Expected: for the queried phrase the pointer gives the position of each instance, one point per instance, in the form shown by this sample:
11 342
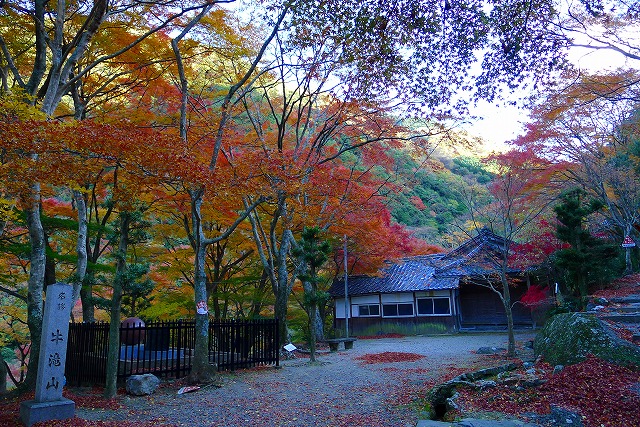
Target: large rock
141 385
569 337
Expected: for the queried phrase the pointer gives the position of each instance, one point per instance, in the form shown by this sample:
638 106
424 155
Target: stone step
630 299
631 308
623 317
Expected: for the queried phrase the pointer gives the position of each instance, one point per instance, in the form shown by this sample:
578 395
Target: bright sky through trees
499 123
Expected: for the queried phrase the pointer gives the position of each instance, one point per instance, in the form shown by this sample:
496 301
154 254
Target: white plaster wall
365 299
438 293
398 297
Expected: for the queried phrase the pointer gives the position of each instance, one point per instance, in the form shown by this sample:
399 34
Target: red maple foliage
389 357
89 398
622 287
534 295
418 203
537 248
604 394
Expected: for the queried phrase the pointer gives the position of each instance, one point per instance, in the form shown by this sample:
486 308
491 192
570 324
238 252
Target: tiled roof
407 275
484 242
475 257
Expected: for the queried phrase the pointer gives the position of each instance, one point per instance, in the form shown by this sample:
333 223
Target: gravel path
339 390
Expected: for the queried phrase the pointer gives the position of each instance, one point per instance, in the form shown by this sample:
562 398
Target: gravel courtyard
339 390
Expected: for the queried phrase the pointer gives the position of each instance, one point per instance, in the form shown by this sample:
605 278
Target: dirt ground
374 384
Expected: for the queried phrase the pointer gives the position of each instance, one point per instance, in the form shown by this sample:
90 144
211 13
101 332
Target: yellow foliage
7 211
14 107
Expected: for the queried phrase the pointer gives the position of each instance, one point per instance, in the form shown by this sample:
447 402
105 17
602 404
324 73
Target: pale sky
501 123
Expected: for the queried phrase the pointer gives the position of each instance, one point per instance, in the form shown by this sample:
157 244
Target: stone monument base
32 412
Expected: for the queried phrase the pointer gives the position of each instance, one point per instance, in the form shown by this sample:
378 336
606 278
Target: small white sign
201 307
290 347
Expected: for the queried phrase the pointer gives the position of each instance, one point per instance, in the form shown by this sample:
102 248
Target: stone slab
472 422
32 412
431 423
53 344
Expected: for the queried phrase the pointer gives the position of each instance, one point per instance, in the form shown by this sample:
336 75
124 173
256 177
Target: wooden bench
334 342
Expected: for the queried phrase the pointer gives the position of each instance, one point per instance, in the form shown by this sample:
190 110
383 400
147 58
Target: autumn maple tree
521 191
44 59
593 123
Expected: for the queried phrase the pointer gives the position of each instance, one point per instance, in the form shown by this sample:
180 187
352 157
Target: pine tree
588 260
313 252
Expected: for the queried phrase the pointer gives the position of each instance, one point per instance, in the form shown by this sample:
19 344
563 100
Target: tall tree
201 370
313 252
593 122
47 71
588 260
521 190
113 356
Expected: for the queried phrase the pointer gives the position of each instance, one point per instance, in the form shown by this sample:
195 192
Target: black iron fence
166 348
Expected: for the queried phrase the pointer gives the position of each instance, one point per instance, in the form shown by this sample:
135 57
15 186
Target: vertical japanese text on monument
53 348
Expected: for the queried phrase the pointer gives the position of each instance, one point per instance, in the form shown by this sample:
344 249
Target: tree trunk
88 309
81 245
3 376
282 287
316 324
506 301
258 295
318 327
201 370
50 265
111 386
313 315
281 306
35 284
274 261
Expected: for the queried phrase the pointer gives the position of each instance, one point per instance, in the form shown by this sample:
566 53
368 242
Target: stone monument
49 403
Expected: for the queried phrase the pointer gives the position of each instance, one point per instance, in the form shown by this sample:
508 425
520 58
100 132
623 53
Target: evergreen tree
313 252
588 260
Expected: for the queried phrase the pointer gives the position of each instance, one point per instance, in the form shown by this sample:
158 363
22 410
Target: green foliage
471 167
298 325
428 199
14 336
136 289
588 260
314 252
316 299
171 305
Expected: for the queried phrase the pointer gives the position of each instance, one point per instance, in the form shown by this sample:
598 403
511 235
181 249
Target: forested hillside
428 198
